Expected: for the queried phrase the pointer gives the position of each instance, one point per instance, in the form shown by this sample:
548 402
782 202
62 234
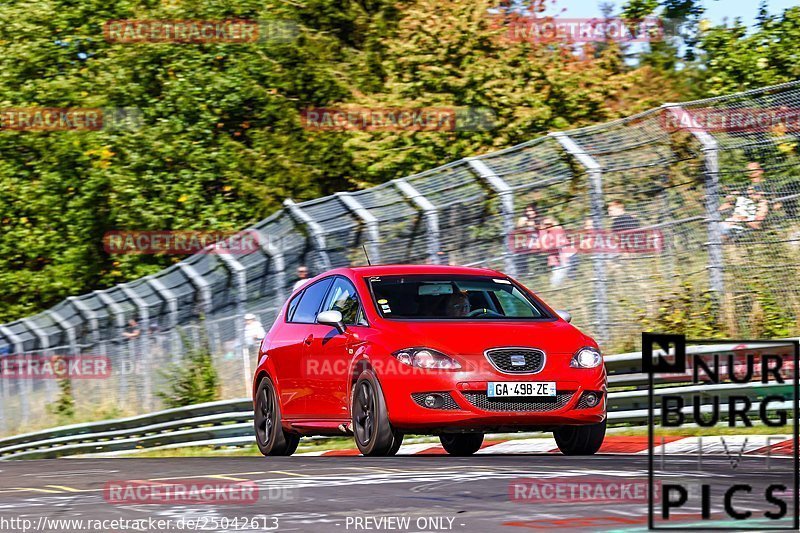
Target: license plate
502 389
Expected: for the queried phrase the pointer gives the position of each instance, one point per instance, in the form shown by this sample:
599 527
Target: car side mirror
332 318
565 315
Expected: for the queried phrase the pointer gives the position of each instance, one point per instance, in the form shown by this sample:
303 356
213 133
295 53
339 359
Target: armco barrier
230 422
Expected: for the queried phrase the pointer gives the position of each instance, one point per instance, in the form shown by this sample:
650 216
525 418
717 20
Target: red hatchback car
383 351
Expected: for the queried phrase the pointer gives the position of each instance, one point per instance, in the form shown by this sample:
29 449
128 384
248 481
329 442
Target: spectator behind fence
253 333
750 208
253 330
620 219
302 277
529 222
562 258
132 330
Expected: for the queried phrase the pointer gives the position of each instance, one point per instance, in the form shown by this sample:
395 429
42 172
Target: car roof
394 270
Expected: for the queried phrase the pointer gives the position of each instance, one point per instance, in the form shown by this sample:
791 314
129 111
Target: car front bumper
471 409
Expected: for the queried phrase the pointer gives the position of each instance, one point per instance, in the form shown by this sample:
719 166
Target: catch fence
715 182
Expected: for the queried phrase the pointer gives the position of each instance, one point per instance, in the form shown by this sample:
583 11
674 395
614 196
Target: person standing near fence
529 223
253 332
302 277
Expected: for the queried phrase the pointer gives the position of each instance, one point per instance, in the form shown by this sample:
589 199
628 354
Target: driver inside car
457 305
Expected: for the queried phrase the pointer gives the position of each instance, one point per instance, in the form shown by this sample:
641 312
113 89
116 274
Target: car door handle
308 340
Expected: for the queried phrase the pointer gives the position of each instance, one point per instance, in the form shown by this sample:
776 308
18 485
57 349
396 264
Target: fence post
88 315
201 286
144 337
595 173
73 341
239 274
44 344
317 233
118 364
15 341
506 194
711 176
430 213
275 255
369 220
171 300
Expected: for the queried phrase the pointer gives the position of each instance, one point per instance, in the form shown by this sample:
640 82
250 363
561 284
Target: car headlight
426 358
586 358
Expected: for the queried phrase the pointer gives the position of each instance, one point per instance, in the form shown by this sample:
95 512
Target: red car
383 351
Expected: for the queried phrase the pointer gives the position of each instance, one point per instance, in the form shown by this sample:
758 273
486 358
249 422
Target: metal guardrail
230 422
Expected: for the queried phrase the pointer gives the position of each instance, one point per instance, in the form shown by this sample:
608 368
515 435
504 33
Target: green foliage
734 59
192 380
221 143
64 406
683 309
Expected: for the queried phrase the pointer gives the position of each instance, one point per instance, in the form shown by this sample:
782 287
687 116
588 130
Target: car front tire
372 431
580 440
461 444
271 439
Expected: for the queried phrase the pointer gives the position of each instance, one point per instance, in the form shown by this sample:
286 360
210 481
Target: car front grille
516 360
537 405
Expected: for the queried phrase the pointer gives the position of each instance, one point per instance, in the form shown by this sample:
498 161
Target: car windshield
451 297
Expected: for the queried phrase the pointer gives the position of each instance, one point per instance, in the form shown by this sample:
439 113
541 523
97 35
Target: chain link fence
717 180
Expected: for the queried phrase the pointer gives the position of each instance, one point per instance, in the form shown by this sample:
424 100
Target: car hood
473 337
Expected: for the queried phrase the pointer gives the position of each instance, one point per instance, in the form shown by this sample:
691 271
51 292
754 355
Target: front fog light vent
435 400
589 399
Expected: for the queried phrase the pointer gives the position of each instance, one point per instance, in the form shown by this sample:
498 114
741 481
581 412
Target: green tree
194 379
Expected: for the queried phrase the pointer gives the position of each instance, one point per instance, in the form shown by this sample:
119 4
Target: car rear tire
461 444
271 439
580 440
372 431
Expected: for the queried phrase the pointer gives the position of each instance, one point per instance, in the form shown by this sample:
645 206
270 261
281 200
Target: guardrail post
506 195
430 213
595 173
711 152
171 300
144 342
15 341
239 273
369 220
317 233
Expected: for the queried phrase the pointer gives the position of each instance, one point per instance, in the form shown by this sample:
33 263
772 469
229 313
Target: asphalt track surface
320 494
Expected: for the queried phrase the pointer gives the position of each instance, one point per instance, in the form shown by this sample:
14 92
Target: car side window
290 309
310 302
343 298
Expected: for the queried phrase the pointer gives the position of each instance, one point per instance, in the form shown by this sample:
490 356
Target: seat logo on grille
517 360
